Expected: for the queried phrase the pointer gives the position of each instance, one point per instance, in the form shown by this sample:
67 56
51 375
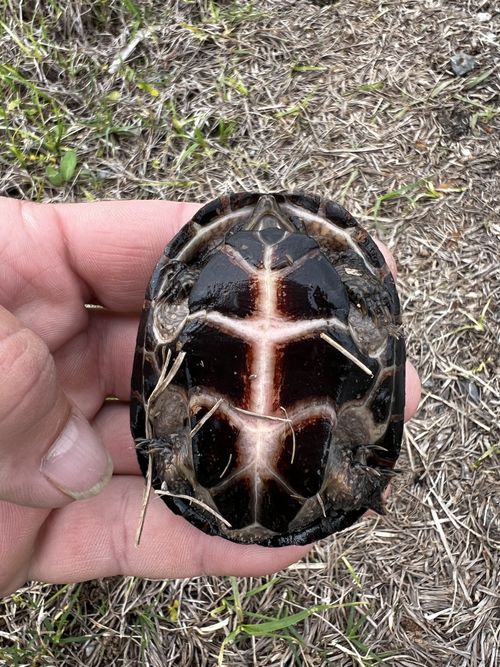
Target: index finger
113 246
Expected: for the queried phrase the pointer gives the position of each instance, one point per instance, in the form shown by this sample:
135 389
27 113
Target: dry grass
352 99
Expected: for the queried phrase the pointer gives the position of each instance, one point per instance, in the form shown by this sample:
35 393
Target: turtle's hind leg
157 458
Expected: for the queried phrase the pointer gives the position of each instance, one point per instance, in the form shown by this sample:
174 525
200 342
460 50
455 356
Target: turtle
268 381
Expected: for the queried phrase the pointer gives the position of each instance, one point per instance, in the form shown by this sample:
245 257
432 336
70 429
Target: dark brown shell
268 381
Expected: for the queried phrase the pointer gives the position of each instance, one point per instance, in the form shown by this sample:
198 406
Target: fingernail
77 463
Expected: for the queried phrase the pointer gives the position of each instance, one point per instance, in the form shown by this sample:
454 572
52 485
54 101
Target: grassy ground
355 100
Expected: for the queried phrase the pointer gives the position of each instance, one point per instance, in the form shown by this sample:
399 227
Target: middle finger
97 362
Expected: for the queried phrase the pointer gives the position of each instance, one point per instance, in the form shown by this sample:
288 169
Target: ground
351 99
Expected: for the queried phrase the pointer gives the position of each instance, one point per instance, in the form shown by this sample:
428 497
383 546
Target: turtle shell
268 382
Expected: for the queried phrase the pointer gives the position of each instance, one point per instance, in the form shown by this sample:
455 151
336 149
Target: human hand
59 361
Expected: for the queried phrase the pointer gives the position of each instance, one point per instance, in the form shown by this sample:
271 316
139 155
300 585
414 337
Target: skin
57 357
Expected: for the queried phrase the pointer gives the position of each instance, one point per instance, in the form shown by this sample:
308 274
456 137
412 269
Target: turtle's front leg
367 293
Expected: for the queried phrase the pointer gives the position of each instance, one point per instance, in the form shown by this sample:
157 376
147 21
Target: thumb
49 453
